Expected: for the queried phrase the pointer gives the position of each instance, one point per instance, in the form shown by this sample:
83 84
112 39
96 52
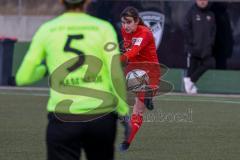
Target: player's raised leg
135 123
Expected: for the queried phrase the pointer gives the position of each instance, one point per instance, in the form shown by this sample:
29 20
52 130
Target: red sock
136 122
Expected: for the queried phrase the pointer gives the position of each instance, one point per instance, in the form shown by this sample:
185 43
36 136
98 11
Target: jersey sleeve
138 43
111 55
32 69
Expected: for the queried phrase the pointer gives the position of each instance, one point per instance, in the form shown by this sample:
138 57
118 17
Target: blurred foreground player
79 50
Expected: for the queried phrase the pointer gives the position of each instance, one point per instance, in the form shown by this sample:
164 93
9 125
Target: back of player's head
132 12
74 4
73 1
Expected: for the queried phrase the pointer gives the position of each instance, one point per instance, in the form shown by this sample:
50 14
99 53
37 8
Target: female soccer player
79 51
140 53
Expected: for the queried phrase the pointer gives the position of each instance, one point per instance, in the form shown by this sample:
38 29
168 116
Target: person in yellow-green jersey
87 88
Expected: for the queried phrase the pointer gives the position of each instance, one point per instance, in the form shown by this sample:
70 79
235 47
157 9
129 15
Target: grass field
203 127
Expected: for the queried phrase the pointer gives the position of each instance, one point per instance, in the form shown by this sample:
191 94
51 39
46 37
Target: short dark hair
132 12
73 4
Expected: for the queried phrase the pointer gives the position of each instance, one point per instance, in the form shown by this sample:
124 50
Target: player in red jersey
139 53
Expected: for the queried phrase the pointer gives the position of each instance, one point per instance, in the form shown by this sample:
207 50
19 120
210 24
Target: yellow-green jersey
81 55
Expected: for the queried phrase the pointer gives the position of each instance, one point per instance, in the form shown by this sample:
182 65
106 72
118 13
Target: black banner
166 20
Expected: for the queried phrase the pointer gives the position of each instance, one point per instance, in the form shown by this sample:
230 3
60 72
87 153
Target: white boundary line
205 95
24 88
161 99
199 100
167 94
25 94
164 97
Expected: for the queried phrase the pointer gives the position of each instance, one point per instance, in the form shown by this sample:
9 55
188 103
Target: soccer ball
137 79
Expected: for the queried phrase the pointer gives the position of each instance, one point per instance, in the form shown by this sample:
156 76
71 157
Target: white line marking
8 88
199 100
24 88
24 94
204 95
159 99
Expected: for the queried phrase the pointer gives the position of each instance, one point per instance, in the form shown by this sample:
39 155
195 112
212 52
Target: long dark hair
132 12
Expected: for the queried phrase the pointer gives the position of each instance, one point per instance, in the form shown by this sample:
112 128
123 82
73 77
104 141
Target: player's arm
32 69
117 78
140 42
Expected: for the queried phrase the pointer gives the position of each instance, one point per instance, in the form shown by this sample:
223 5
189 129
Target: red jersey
141 53
140 45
